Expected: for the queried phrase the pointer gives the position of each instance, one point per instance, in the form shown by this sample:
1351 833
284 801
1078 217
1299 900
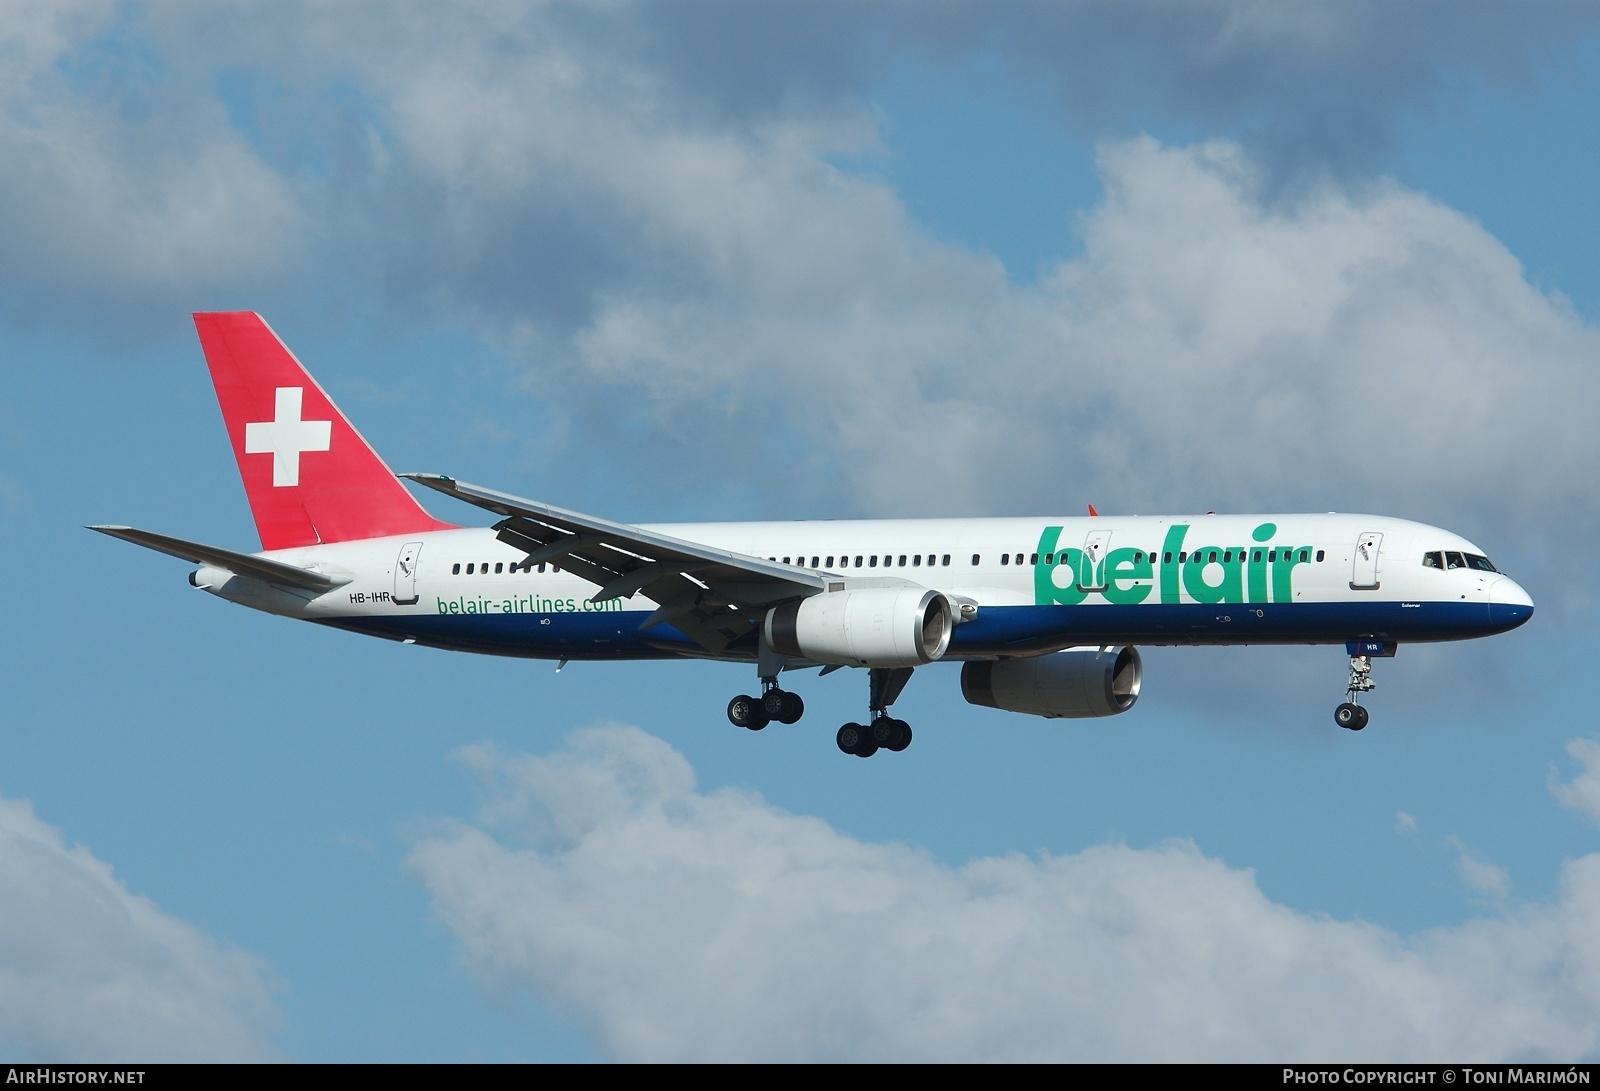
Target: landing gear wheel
850 737
1350 716
746 711
902 737
780 705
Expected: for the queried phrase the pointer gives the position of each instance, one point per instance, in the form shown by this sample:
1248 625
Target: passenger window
1183 556
1005 558
1033 558
858 560
1166 558
814 563
872 561
471 569
541 566
975 560
455 569
902 560
1272 554
916 560
1213 557
830 560
1227 556
1256 559
1304 552
946 561
499 566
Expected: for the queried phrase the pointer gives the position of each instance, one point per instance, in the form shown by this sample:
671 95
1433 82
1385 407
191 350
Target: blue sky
707 261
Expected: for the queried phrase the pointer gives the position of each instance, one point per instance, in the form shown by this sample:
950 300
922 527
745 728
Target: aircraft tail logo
307 472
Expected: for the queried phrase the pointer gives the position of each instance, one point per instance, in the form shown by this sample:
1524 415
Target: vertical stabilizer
309 475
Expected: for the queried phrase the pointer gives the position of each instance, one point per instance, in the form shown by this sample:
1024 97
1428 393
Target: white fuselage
1037 584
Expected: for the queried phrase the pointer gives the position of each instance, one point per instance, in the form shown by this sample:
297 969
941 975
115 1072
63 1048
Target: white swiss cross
286 437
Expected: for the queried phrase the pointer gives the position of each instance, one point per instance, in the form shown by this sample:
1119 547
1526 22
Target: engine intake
870 627
1076 683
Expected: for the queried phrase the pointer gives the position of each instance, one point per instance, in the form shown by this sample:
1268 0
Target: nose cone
1509 605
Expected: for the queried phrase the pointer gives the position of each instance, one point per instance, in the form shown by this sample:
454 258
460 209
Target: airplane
1045 615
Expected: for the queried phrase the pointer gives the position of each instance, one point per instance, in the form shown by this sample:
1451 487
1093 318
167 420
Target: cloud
1479 874
698 281
690 925
123 192
91 971
1312 83
1582 792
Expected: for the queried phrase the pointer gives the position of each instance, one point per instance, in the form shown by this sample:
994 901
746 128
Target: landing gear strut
883 732
1350 714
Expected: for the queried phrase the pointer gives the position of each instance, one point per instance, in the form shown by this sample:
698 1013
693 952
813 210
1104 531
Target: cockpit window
1433 560
1454 560
1481 564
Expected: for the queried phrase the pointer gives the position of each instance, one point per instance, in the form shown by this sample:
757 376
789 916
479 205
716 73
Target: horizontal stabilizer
240 564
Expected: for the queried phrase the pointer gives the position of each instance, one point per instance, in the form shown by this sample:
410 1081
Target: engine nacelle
1075 683
870 627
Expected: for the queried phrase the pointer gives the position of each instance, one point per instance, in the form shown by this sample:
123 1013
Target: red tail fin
309 475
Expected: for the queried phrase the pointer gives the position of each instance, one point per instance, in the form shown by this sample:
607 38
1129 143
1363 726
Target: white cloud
122 190
687 925
693 281
1582 792
89 971
1404 823
1478 873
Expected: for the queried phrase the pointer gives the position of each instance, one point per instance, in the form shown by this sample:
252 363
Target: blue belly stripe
997 630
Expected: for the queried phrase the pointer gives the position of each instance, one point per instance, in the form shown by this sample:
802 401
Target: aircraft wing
240 564
713 595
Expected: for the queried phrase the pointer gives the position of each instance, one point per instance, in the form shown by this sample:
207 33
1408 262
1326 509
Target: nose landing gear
1350 715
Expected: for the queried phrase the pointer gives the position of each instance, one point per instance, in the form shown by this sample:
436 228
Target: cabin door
1092 573
1364 572
405 574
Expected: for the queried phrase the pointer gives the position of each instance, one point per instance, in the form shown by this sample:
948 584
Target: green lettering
1282 584
1128 573
1229 589
1066 568
1044 588
1169 562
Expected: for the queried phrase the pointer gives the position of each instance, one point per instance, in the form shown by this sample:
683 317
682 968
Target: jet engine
869 627
1078 682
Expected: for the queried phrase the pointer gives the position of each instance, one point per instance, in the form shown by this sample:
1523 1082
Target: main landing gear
1351 715
773 704
884 732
